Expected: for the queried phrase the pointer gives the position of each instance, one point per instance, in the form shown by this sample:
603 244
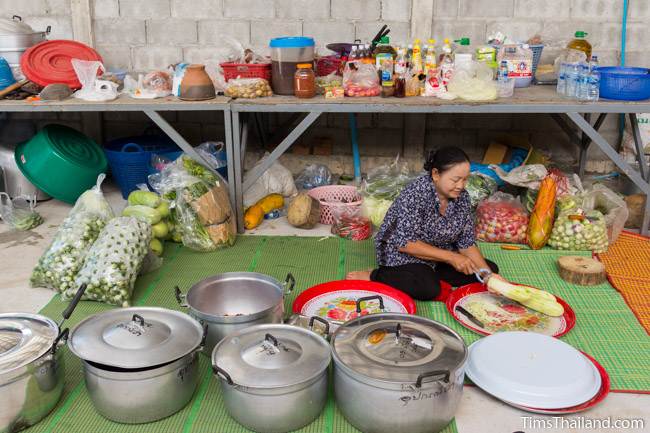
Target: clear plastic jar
304 81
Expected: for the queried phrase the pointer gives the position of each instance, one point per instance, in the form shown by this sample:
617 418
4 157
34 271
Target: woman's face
451 182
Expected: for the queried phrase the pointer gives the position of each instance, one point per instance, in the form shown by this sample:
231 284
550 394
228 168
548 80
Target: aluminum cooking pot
232 301
273 377
140 364
31 366
16 37
397 372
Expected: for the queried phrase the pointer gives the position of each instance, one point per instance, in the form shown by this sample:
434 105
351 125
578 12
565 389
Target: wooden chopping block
583 271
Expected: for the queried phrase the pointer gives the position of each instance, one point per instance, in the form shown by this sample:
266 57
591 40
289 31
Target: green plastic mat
605 327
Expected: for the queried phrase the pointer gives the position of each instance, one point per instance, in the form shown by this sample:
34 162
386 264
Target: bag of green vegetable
578 230
201 215
479 187
611 205
114 261
19 212
59 264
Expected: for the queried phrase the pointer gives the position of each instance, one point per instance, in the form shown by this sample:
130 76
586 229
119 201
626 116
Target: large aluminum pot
397 372
16 37
140 363
273 377
232 301
31 366
133 396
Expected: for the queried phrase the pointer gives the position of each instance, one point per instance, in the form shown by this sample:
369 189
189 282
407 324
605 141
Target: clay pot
196 84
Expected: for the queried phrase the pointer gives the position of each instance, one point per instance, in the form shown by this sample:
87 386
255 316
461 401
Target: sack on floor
276 180
19 213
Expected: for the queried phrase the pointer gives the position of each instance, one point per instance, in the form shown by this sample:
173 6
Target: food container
140 364
15 183
396 372
286 54
232 301
31 366
305 81
16 37
273 377
315 324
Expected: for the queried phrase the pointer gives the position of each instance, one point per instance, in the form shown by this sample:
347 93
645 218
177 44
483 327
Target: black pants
421 281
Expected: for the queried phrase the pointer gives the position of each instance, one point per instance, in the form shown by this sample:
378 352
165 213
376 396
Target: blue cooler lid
292 42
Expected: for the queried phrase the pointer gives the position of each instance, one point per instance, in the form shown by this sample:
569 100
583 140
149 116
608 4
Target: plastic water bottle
502 76
594 80
561 79
572 78
583 82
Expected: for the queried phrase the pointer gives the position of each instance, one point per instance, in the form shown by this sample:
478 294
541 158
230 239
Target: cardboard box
500 149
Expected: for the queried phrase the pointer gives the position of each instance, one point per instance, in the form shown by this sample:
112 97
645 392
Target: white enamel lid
534 370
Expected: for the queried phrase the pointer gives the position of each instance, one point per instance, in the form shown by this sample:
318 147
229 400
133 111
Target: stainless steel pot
134 396
273 377
14 42
232 301
140 364
12 180
396 372
31 366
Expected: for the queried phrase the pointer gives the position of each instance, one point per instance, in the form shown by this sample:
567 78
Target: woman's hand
462 264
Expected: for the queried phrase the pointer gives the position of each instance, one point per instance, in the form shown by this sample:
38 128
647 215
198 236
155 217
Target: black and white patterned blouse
415 216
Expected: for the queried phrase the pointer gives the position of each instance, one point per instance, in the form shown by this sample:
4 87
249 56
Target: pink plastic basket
335 195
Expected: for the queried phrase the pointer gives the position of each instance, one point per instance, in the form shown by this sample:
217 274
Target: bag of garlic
579 230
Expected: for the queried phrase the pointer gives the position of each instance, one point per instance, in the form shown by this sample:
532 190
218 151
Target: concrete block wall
141 35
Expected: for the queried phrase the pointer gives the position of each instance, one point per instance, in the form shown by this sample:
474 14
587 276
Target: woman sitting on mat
428 232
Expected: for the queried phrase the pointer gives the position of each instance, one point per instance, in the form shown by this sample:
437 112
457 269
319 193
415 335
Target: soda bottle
401 65
594 80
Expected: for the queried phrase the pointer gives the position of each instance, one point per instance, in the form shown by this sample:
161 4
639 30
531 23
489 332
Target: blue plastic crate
130 158
623 83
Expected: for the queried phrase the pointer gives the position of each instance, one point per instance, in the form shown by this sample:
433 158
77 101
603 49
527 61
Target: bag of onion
501 218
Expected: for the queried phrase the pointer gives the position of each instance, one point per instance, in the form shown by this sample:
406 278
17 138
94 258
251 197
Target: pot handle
289 281
62 336
180 297
73 304
205 334
218 371
369 298
48 30
17 18
444 373
321 320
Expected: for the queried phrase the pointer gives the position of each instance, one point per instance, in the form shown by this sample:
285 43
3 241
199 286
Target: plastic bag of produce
479 187
501 218
248 88
314 175
59 264
543 215
349 223
360 79
201 215
19 212
611 205
113 262
528 176
578 230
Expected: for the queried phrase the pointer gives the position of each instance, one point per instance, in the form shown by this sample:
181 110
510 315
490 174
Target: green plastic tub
61 161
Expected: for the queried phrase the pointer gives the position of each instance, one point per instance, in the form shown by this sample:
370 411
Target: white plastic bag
93 89
157 84
277 179
610 204
19 212
527 176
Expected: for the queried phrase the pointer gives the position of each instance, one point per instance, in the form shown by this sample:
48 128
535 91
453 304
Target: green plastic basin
61 161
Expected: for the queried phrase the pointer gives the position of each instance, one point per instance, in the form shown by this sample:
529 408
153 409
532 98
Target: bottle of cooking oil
417 57
581 44
430 62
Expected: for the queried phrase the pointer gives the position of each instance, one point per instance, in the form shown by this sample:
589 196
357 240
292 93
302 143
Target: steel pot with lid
31 366
140 363
397 372
273 377
16 36
232 301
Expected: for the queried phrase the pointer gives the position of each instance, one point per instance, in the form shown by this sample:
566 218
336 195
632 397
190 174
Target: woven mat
605 327
627 263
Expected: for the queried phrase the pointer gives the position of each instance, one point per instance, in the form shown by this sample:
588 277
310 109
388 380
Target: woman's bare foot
358 275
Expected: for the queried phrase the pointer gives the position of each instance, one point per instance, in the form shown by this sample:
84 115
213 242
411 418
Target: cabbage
376 208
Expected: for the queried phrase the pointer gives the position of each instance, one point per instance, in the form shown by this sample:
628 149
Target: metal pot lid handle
181 298
271 339
48 30
444 373
370 298
218 371
289 281
17 18
205 334
139 319
313 319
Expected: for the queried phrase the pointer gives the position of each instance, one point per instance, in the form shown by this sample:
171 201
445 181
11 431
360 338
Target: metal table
535 99
150 107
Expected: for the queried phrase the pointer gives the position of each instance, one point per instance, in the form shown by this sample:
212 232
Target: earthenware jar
196 84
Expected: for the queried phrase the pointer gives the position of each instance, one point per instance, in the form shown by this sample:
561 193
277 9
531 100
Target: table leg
237 171
640 155
227 121
620 163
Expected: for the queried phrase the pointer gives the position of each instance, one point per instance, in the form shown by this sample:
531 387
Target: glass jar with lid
304 81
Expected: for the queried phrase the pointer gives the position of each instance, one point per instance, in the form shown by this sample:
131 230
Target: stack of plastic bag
58 266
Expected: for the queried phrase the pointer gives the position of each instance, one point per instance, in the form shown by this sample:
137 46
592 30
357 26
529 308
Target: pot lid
272 356
49 62
397 347
137 337
23 338
14 26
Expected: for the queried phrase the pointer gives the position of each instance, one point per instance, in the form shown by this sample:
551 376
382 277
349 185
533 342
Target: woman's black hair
445 158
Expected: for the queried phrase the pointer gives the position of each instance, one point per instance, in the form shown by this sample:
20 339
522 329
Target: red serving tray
461 292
